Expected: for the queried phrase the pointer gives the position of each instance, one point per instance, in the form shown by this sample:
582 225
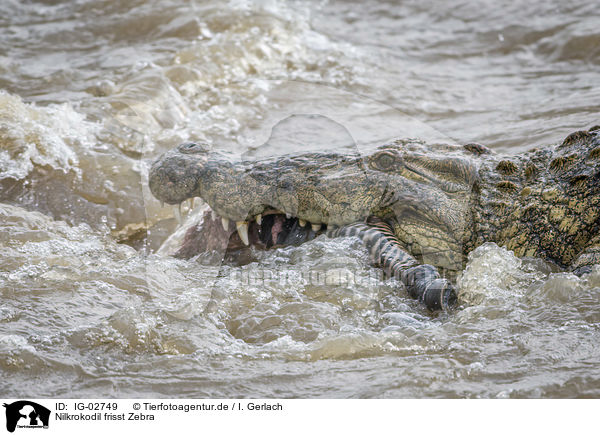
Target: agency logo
26 414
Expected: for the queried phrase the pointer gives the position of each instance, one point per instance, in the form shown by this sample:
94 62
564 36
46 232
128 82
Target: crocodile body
420 208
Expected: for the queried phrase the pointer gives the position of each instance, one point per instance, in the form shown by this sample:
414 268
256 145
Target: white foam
44 136
493 273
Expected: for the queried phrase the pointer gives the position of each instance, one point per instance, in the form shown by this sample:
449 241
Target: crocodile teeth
177 213
287 215
302 222
259 219
315 227
225 223
242 229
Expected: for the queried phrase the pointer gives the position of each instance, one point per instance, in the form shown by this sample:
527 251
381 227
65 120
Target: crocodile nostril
191 147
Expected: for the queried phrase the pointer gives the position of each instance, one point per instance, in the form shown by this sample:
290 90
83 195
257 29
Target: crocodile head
423 191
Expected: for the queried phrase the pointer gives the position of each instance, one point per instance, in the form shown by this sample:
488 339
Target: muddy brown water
92 91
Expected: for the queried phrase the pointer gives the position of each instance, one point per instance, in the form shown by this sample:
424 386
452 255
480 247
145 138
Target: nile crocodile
419 208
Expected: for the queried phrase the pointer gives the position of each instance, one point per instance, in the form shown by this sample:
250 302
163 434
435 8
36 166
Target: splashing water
107 86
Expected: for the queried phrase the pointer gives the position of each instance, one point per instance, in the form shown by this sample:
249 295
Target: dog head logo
26 414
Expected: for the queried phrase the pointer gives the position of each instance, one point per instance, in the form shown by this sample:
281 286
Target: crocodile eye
386 161
191 148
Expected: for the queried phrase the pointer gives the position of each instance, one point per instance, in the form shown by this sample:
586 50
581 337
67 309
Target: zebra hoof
439 295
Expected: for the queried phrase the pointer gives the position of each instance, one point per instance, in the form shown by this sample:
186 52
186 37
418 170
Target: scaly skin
440 201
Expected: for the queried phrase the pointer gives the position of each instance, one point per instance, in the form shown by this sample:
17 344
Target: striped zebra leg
422 281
